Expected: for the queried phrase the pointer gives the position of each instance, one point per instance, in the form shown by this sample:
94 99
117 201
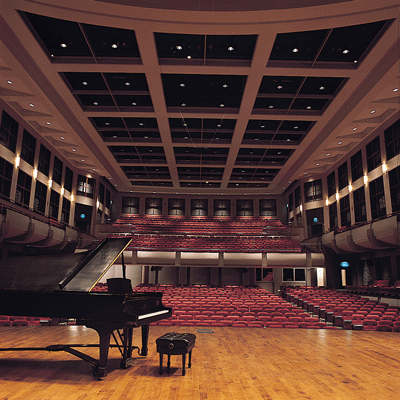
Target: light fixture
222 105
346 51
279 87
350 187
183 104
396 90
296 127
327 202
96 103
114 45
327 154
134 103
17 161
271 106
62 138
308 107
339 143
10 83
64 45
31 105
301 207
231 48
188 57
141 123
72 197
84 83
35 172
182 85
354 129
373 112
50 183
74 150
322 88
384 168
337 196
127 84
365 179
295 50
48 123
62 191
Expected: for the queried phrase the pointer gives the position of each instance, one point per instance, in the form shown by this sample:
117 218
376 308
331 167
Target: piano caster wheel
99 372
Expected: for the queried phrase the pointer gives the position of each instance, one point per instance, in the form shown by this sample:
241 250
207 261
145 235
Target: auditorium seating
208 234
345 310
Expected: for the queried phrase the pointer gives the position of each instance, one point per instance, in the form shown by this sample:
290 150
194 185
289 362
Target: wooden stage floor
228 363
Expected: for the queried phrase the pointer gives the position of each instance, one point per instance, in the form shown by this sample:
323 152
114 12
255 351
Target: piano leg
145 340
127 348
100 370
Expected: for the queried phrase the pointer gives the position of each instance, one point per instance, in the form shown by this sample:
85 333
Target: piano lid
72 272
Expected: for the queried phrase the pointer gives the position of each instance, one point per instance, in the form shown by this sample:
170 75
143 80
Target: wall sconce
301 207
97 204
62 191
365 179
327 202
50 183
350 187
17 161
72 197
35 173
384 168
337 195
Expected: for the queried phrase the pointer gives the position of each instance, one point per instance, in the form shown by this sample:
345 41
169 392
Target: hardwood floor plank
227 363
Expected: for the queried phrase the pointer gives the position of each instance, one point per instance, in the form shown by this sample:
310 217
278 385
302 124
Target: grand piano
60 286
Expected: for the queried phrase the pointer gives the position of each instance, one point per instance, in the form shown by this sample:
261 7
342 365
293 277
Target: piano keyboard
153 314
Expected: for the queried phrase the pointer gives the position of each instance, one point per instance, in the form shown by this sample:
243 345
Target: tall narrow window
8 132
394 179
101 193
66 210
54 204
57 170
343 177
392 140
24 185
331 181
373 154
28 148
68 178
377 196
40 197
297 197
360 209
333 218
356 166
44 160
290 202
6 172
345 215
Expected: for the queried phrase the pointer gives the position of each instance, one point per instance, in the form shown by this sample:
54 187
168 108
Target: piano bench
175 344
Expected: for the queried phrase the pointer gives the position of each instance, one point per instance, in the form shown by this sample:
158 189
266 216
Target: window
6 173
294 274
69 175
297 197
356 166
130 205
331 181
313 190
360 209
345 215
176 206
333 219
244 208
373 154
28 148
377 196
8 132
199 207
268 207
264 274
100 196
343 177
392 140
66 210
290 202
39 203
222 207
153 206
57 170
24 185
44 160
85 186
54 204
394 179
108 198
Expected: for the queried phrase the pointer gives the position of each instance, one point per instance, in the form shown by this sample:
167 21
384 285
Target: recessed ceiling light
373 112
328 154
188 57
10 83
222 105
115 136
186 137
230 48
62 137
84 83
179 47
396 90
73 149
296 127
322 88
279 87
185 124
48 123
219 125
354 129
340 142
355 61
114 45
96 103
346 51
141 123
225 85
107 123
288 140
83 160
31 105
308 107
317 164
270 106
134 103
256 139
127 84
295 50
146 137
182 85
183 104
305 173
262 126
63 45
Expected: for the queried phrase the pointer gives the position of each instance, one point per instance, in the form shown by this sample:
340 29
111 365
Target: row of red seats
7 320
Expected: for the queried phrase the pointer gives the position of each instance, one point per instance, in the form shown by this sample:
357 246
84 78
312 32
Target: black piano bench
175 344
